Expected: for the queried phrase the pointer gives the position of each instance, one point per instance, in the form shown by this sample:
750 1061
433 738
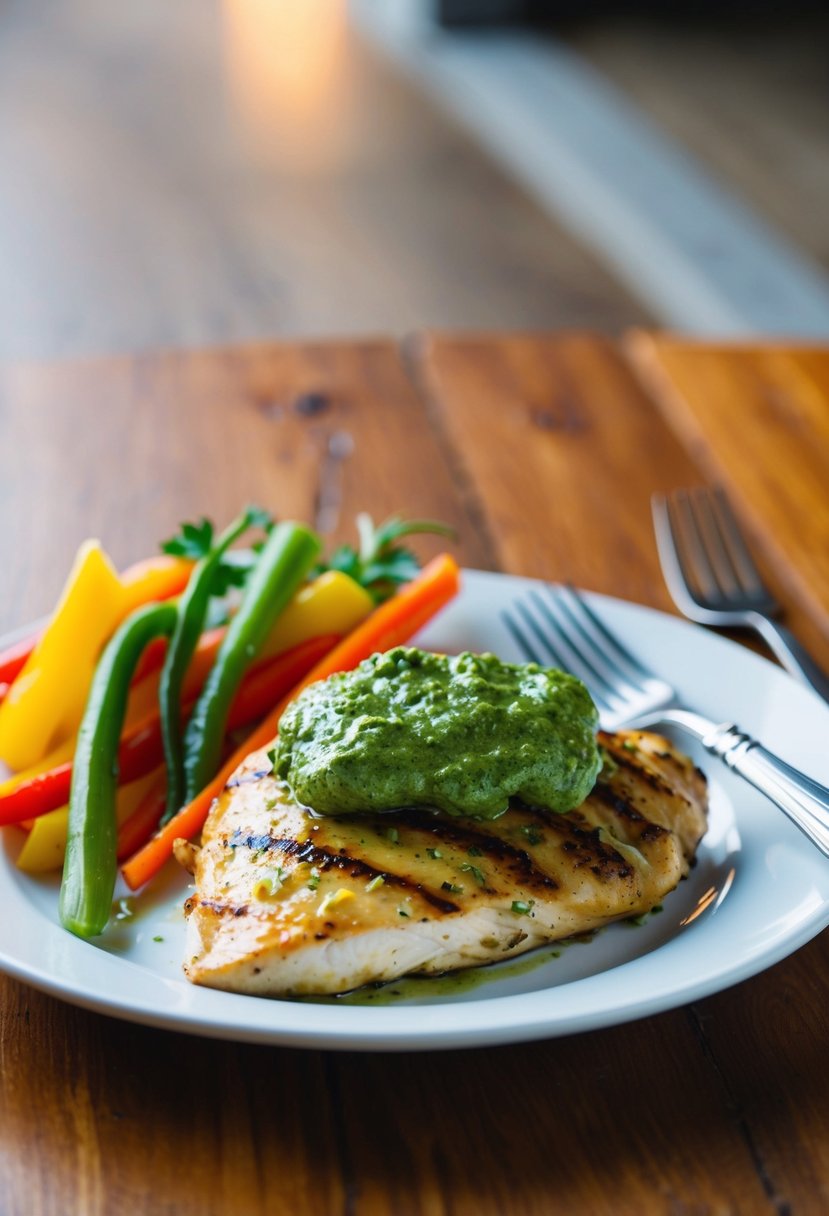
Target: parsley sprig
195 540
379 563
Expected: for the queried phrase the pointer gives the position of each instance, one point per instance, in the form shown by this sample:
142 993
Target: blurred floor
192 173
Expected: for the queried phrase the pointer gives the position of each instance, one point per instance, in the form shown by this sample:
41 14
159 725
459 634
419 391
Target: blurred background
183 173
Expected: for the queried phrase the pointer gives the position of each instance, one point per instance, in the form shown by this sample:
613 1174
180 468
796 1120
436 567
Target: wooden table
543 452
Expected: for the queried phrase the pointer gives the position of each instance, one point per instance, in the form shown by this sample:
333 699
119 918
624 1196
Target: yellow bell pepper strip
154 578
51 689
90 868
45 846
332 603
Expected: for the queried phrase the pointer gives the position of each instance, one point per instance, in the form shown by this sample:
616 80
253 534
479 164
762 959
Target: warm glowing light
711 896
284 60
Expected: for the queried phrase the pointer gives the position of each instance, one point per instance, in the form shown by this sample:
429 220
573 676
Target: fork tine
548 645
742 562
702 512
672 555
573 656
612 674
700 544
686 540
523 638
614 660
558 623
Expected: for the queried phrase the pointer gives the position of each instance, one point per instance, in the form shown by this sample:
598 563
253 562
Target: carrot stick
392 624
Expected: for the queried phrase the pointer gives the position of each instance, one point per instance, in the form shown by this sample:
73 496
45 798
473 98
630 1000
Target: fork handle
785 646
806 802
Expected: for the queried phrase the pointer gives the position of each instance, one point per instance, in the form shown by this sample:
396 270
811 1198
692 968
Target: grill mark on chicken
587 850
625 809
465 836
326 859
627 760
222 909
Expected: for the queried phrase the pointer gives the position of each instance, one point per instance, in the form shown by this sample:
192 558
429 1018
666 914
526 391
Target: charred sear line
326 860
632 763
624 808
620 805
464 835
220 909
653 832
584 847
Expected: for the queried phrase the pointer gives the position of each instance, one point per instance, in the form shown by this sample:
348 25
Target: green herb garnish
196 540
379 563
532 833
522 907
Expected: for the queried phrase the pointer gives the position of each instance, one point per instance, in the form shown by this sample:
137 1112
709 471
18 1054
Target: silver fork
713 579
556 625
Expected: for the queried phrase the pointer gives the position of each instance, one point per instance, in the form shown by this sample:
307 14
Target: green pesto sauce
460 733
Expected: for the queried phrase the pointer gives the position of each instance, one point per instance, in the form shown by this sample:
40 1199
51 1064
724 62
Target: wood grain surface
543 452
757 422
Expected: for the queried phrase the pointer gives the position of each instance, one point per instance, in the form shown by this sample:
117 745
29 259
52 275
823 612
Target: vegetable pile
121 719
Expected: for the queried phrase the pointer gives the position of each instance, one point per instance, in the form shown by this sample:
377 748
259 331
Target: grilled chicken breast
287 902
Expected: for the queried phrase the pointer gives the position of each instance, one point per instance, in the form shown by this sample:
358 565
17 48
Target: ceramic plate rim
85 975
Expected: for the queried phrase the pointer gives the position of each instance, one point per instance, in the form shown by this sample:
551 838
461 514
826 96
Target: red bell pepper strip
13 658
141 824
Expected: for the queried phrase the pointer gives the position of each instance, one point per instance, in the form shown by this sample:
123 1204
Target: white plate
758 892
